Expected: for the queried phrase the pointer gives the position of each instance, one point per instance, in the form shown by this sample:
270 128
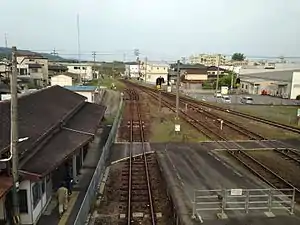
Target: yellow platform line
71 204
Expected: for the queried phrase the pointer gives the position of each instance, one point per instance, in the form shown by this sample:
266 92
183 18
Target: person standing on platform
62 195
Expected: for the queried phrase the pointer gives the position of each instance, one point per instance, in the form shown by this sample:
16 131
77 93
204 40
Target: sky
160 29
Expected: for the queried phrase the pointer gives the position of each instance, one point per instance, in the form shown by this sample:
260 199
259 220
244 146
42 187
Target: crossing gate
244 200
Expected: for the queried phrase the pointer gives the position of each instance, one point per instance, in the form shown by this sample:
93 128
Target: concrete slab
120 151
222 216
137 215
269 214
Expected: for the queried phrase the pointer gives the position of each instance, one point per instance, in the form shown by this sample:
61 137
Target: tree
238 56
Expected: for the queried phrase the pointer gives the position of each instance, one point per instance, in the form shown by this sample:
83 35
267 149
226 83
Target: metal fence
244 200
99 172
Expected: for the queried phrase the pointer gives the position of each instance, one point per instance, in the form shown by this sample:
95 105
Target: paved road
257 99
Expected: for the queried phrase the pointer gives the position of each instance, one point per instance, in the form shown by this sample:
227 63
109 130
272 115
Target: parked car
226 99
247 100
218 95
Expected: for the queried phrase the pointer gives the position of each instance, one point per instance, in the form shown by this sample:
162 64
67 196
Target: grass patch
282 114
107 82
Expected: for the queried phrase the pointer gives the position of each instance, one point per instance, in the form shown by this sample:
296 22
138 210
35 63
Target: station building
56 127
283 84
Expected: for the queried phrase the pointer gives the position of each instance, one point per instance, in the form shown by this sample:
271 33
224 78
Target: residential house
89 92
56 69
132 70
33 69
208 59
213 71
151 71
61 80
85 70
56 128
5 68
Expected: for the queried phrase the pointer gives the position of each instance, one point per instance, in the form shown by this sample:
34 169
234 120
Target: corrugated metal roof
81 88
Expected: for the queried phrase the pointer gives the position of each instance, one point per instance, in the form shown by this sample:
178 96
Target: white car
218 95
226 99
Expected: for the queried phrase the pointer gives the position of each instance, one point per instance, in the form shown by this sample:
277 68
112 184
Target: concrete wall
199 77
295 88
61 80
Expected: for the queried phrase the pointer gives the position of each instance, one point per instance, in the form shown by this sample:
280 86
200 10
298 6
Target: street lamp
11 154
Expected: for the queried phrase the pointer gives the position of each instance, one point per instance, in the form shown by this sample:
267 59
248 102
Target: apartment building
207 59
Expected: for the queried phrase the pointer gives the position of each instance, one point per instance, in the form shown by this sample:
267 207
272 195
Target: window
84 68
36 194
34 70
23 201
246 86
242 85
157 68
76 68
23 71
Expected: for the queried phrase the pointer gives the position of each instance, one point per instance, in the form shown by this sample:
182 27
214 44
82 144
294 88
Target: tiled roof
66 141
87 118
37 113
61 146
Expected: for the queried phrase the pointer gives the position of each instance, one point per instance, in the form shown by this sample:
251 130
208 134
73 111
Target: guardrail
244 200
91 192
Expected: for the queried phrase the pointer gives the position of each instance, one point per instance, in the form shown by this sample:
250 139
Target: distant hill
6 52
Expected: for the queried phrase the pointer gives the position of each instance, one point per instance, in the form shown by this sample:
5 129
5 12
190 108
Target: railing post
270 200
293 202
224 200
247 201
194 206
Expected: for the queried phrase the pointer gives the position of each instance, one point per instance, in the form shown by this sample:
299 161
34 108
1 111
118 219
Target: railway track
140 208
252 164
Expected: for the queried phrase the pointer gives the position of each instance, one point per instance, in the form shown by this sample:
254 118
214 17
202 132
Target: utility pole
14 136
94 63
78 46
218 72
54 52
146 62
6 46
177 89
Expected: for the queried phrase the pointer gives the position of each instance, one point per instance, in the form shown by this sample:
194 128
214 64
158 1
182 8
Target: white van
247 100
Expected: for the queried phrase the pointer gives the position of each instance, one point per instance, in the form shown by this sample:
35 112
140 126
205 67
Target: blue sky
161 29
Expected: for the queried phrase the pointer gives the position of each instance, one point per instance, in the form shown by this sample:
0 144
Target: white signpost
169 89
236 192
177 127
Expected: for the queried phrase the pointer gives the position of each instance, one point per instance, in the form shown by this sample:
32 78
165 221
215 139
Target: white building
84 69
33 67
151 71
283 84
132 71
61 80
87 91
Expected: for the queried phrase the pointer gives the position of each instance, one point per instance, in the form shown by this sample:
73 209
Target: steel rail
142 133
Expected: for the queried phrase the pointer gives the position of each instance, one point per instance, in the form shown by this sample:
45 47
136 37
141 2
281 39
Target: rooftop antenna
78 45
